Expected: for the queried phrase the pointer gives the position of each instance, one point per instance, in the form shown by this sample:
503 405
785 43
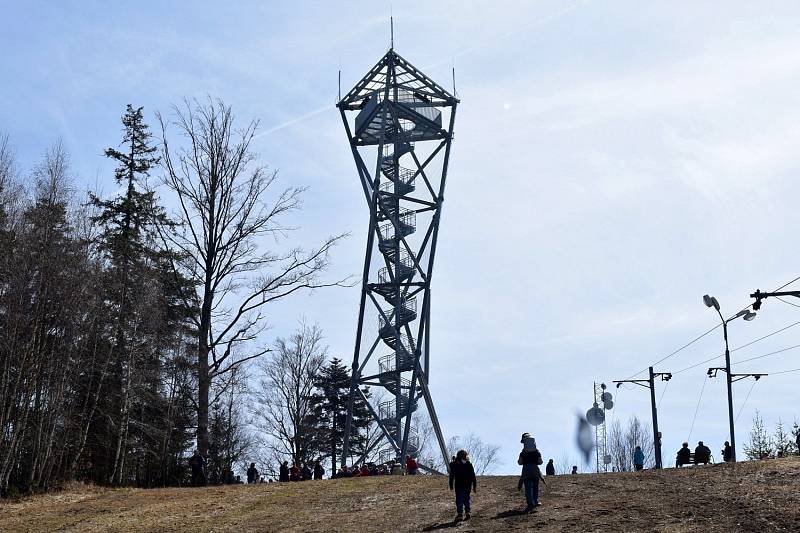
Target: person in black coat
284 472
198 465
306 473
530 458
727 452
319 471
463 481
252 474
702 454
550 469
684 456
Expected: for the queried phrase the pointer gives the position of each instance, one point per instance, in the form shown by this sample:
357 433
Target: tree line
782 442
131 323
125 328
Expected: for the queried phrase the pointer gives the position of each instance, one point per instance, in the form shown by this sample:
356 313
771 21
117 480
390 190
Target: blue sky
613 162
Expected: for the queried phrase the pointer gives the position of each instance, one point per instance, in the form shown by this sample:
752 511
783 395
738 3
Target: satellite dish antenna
607 397
608 404
595 416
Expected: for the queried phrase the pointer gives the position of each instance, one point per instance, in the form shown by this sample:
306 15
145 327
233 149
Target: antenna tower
596 416
401 151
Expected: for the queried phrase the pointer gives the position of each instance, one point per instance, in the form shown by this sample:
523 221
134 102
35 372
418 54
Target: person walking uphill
463 481
530 458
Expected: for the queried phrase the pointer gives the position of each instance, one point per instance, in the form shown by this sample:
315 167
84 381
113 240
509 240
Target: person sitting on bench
702 454
684 456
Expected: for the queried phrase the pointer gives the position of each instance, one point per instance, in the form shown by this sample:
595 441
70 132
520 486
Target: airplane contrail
293 121
460 53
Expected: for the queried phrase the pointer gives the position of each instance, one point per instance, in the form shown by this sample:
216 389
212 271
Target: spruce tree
784 443
329 408
760 444
127 240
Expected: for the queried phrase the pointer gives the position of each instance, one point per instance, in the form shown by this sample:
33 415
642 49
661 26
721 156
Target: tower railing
400 360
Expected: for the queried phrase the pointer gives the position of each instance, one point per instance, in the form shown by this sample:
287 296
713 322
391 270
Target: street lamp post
710 301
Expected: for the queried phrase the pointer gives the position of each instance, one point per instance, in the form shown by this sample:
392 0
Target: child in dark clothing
462 479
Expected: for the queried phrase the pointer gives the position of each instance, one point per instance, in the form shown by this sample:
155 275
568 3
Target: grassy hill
762 496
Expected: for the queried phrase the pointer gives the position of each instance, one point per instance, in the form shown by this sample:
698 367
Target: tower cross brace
400 117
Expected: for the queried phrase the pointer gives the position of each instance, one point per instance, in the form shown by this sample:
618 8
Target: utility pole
758 295
731 379
650 384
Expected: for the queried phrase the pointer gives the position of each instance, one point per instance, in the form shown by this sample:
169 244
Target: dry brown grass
724 498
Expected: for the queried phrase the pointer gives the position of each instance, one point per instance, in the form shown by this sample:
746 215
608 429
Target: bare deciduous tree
623 441
223 211
484 455
282 399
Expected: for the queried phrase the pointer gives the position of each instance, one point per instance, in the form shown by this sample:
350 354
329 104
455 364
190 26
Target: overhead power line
768 335
785 371
766 354
700 337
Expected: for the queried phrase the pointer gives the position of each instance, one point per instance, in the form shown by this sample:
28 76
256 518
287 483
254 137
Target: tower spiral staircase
398 110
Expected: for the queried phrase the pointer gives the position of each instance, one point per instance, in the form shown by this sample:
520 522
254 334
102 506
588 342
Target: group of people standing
300 471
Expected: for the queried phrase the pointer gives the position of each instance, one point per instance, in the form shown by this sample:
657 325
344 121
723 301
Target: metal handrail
407 221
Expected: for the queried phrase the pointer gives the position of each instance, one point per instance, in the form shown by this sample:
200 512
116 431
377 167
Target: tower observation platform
399 125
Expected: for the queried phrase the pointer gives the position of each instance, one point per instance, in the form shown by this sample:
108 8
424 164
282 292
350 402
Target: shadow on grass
510 513
443 525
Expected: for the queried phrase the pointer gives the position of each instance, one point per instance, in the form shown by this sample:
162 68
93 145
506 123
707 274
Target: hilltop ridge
754 496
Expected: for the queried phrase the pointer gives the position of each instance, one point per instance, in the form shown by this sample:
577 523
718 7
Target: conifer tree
127 224
760 444
329 413
784 442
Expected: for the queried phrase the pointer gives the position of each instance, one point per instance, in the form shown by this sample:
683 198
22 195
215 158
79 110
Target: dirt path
745 497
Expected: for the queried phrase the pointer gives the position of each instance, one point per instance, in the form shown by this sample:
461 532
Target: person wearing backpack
530 458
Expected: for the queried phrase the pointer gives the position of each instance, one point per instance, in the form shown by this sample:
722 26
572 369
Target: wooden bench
692 461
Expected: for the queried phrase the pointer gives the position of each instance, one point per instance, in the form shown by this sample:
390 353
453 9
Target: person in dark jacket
306 472
530 458
550 469
684 456
294 473
252 474
198 465
702 454
727 452
797 441
319 471
463 481
283 474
